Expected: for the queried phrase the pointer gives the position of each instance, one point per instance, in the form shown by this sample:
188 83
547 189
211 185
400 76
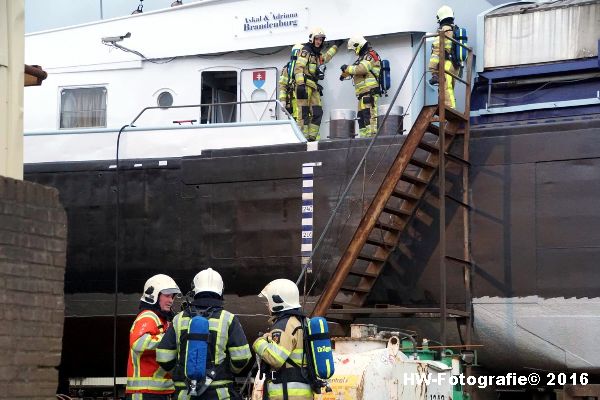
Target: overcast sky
41 15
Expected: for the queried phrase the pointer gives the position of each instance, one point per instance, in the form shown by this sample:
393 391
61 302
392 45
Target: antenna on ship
139 9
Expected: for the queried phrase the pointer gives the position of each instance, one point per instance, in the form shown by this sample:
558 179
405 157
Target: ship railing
259 121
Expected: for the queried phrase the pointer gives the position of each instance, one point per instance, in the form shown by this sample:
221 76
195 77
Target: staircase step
387 227
355 289
396 211
380 243
431 128
370 258
422 163
404 195
453 114
432 148
364 274
435 129
415 180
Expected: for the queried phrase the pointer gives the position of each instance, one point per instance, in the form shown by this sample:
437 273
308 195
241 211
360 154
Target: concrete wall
33 238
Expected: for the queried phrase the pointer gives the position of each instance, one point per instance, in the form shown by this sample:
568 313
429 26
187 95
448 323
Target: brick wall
33 236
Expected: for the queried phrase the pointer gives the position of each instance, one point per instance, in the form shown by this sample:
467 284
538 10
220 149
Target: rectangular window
83 107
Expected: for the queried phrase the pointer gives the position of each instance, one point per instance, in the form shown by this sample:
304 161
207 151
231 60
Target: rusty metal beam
369 220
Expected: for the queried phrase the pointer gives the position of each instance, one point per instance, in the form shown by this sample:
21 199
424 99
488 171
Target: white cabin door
258 84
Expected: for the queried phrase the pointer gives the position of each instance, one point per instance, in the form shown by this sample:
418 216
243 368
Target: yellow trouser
367 115
309 113
449 98
295 391
294 108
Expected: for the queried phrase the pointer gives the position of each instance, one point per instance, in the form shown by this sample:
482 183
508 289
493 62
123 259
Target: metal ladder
392 209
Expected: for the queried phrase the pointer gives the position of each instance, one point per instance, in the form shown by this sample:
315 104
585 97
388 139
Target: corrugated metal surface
538 33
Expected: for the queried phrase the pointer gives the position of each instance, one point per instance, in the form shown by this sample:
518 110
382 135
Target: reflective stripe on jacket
144 375
305 71
284 341
365 73
434 60
230 349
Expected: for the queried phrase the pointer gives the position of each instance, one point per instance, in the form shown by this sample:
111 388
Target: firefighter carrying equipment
208 280
366 74
434 60
287 83
282 350
228 350
158 284
308 91
357 44
144 374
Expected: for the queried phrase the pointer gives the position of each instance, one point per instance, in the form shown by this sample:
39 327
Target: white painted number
306 209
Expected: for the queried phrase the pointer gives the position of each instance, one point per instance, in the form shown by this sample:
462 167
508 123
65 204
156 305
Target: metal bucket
342 124
393 123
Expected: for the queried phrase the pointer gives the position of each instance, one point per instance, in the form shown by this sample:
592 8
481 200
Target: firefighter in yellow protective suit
309 70
287 83
445 17
365 75
282 347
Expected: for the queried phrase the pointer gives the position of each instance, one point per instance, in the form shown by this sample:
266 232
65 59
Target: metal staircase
423 156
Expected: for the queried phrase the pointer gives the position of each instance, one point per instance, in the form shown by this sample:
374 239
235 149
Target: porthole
165 99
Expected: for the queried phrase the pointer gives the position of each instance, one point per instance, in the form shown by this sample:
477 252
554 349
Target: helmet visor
171 291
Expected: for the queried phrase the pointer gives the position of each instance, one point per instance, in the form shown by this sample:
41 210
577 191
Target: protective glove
343 67
434 79
339 42
301 92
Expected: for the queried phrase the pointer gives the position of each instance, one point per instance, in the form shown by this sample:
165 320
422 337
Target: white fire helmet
208 280
281 294
316 33
444 12
356 43
159 284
